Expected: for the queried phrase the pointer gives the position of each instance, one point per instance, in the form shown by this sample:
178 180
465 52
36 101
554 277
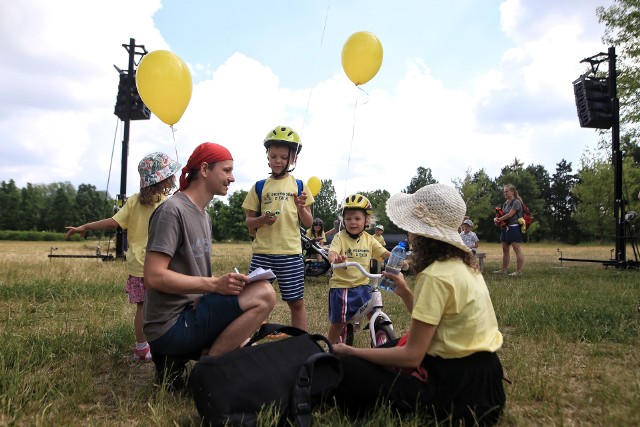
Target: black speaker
593 102
127 88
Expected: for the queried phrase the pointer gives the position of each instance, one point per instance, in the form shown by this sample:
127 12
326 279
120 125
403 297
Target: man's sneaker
500 272
143 355
169 371
516 273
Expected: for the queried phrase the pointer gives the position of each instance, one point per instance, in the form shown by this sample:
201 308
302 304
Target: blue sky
464 85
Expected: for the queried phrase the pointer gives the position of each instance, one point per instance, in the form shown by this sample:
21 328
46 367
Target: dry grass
571 339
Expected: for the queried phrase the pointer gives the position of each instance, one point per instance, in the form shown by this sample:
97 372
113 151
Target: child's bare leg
137 324
334 332
298 314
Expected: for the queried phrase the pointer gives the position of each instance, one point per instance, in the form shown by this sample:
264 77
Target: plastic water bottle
394 265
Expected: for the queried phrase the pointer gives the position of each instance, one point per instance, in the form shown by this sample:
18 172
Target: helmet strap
354 236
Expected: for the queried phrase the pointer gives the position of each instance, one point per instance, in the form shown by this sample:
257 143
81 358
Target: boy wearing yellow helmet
349 288
276 216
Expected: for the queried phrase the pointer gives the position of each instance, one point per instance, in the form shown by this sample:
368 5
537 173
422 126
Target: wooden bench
481 256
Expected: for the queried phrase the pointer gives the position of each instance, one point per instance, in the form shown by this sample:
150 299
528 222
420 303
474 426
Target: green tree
32 202
594 195
423 177
325 205
378 199
61 207
562 203
622 30
90 205
478 192
10 202
228 220
540 204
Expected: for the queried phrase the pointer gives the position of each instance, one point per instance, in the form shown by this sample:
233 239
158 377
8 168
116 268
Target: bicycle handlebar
360 267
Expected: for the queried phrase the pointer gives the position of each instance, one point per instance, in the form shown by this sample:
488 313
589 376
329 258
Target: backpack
259 187
285 377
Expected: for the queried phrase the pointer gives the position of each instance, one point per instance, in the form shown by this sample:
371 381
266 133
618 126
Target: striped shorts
289 271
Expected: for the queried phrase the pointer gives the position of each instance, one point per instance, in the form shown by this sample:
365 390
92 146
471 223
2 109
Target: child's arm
335 258
304 212
385 256
254 221
103 224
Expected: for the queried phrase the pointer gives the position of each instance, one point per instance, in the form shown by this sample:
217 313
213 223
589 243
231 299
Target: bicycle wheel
346 336
383 332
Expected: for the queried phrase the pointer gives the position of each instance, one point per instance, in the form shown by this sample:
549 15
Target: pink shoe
142 355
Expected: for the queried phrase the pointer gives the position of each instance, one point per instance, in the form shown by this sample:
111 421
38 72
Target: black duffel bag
284 378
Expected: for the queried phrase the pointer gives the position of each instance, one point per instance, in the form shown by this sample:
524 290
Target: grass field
572 339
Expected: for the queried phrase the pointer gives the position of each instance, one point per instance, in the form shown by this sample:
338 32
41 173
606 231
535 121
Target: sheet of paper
260 274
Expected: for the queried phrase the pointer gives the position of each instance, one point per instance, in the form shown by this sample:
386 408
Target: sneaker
516 273
143 355
500 272
169 372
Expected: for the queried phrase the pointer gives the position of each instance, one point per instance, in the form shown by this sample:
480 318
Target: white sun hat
434 211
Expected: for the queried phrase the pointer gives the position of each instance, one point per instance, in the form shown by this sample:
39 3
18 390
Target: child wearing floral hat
157 180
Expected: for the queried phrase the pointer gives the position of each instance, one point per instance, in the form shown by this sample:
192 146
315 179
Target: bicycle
379 325
311 251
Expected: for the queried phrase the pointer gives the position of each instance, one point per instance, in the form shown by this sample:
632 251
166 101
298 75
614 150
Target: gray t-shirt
181 230
514 204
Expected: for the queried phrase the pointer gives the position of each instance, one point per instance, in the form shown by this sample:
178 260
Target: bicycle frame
373 307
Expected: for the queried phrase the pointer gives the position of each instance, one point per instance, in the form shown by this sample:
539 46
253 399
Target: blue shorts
511 234
345 302
289 270
198 328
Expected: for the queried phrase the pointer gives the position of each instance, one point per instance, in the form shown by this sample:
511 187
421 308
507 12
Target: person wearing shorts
349 289
188 311
511 236
157 180
277 243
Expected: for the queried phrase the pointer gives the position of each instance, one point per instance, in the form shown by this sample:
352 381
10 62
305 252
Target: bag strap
260 186
301 400
269 328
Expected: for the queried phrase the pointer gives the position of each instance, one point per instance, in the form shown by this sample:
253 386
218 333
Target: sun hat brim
167 171
414 216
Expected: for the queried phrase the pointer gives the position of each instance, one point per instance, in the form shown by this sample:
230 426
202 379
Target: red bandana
207 152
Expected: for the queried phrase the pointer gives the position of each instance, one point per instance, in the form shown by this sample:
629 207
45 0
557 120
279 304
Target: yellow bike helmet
283 135
357 201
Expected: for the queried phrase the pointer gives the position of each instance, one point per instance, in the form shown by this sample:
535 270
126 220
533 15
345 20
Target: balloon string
366 100
175 146
353 132
306 111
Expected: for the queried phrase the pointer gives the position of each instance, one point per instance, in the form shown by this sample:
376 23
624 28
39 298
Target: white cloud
59 88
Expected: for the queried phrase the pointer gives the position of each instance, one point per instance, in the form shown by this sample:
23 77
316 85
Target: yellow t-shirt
380 240
455 297
323 238
359 250
134 217
283 237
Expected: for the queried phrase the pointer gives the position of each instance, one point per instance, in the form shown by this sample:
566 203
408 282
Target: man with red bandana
189 312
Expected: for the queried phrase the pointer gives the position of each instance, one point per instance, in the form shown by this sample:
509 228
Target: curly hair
425 251
153 193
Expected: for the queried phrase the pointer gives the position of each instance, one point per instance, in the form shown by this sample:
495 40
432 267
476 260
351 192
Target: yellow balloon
164 84
314 185
361 57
